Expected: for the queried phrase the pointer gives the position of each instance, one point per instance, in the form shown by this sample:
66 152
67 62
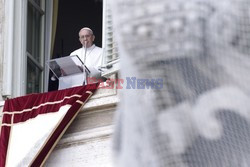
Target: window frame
38 64
15 45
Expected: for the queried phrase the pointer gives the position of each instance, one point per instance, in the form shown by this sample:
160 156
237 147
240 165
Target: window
29 44
34 47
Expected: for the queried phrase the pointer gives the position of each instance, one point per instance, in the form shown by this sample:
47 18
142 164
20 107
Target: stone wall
1 55
1 43
88 140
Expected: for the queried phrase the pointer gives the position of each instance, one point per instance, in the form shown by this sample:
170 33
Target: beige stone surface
91 148
88 140
1 43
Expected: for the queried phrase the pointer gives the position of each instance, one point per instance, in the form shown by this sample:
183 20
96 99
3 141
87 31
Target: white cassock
92 59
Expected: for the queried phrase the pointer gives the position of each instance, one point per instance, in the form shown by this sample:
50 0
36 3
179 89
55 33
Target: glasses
85 36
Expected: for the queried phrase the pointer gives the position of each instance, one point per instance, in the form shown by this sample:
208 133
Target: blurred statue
201 115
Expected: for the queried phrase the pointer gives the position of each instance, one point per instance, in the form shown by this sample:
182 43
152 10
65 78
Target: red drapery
42 116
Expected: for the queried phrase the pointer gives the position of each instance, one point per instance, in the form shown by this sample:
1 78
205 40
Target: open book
65 66
69 70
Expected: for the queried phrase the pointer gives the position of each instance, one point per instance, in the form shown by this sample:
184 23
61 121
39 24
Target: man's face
86 36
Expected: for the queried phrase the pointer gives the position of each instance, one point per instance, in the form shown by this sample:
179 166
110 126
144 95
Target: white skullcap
86 28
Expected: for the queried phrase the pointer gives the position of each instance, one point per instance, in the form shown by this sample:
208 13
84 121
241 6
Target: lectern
69 70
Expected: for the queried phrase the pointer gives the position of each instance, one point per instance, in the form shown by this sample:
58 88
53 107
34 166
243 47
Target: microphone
85 51
85 44
85 82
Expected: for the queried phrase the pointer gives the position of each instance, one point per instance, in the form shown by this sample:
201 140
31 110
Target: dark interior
72 16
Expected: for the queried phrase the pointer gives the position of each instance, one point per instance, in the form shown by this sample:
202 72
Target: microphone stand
85 72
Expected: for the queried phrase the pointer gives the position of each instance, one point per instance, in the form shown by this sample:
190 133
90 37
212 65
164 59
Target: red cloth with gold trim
33 124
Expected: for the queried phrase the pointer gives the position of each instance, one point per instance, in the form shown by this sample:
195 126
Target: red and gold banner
33 124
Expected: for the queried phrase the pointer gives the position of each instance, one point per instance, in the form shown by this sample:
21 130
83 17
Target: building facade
30 33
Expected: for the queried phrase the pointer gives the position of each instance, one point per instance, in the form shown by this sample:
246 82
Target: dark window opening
72 16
